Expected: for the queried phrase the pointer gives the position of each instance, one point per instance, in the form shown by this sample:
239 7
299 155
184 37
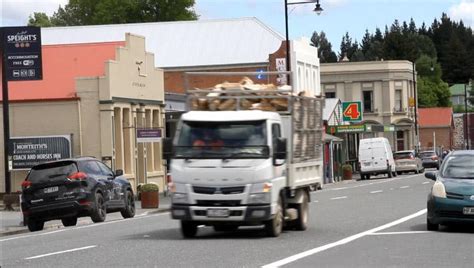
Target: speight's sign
30 151
22 48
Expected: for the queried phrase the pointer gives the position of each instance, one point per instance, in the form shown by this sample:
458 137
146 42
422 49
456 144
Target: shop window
368 99
398 100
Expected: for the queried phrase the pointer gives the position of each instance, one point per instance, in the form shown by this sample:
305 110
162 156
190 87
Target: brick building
436 127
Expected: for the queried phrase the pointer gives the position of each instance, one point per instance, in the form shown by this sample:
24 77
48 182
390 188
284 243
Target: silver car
408 161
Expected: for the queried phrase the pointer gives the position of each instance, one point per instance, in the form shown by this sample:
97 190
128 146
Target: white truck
245 167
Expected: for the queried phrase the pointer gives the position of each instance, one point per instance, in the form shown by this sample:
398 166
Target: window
105 170
400 140
330 95
398 100
90 167
368 101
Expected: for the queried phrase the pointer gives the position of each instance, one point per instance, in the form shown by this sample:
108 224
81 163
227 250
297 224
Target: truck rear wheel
274 226
301 223
188 229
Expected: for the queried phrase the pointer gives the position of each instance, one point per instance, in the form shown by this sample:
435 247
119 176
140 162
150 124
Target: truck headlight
260 193
179 198
438 190
259 198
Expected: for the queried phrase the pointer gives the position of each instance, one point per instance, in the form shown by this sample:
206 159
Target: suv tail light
26 184
412 157
434 157
78 176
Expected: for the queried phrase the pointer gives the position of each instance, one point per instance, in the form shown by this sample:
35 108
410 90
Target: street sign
30 151
22 48
351 111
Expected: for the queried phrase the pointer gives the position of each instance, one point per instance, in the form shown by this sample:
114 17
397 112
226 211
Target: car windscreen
242 139
403 155
427 154
51 171
458 167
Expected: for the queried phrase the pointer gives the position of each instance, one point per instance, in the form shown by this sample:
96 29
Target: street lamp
318 9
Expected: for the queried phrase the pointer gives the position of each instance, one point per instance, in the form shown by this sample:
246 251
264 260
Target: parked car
376 157
451 199
430 159
72 188
408 161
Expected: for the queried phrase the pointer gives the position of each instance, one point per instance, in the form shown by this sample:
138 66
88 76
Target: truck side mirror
167 148
280 149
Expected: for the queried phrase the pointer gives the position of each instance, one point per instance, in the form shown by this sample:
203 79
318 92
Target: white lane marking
315 201
396 233
367 184
404 187
378 191
82 227
426 182
340 197
59 252
342 241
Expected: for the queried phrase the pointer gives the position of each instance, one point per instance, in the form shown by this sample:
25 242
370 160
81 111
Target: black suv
72 188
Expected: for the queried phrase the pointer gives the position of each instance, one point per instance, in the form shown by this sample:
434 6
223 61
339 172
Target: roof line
45 100
161 22
87 44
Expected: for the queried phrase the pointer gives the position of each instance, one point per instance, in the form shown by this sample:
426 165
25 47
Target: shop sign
22 48
30 151
346 129
351 111
148 135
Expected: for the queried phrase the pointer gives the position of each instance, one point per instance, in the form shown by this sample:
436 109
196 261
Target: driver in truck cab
208 138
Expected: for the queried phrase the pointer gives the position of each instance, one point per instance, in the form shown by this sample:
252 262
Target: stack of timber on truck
263 182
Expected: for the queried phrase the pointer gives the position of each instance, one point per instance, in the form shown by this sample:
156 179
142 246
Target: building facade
386 92
437 127
99 94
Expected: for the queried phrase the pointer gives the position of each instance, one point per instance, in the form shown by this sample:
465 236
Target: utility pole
466 120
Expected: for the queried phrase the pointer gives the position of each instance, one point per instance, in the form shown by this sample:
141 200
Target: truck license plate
51 189
468 211
218 213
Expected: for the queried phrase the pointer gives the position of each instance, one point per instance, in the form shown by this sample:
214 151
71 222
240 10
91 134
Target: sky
338 17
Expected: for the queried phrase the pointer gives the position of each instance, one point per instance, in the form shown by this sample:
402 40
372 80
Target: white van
375 157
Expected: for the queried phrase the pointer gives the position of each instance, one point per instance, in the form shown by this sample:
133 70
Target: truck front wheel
301 223
274 226
188 229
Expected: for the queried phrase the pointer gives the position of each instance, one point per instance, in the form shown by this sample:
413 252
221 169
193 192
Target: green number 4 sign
352 111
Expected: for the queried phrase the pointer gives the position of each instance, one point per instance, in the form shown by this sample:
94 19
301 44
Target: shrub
148 187
346 167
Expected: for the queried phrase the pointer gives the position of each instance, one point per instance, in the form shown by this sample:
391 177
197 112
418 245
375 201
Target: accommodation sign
22 48
30 151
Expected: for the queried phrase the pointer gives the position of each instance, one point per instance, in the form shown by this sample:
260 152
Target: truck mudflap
213 214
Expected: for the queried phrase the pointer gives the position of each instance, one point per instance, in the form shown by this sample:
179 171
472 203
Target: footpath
12 221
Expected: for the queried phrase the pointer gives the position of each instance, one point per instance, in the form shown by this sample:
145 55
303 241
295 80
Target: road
375 223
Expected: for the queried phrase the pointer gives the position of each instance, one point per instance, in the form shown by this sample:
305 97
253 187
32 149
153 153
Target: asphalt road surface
375 223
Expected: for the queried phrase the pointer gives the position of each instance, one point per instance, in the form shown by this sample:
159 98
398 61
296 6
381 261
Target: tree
39 19
348 48
432 91
325 52
93 12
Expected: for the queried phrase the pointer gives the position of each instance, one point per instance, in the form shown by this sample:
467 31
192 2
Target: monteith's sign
30 151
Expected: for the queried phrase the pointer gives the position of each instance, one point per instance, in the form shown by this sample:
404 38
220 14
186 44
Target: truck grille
218 203
219 190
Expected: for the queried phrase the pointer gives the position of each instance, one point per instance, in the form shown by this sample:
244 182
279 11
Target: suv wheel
99 212
35 225
129 210
71 221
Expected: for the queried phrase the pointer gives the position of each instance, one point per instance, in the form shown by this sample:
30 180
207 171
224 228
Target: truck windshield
222 140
